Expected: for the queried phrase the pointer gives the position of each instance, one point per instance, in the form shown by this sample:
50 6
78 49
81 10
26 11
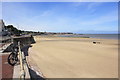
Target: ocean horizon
98 36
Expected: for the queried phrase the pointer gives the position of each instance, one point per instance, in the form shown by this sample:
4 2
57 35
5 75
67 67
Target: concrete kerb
17 71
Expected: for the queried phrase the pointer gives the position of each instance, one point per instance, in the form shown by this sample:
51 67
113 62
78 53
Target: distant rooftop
1 21
1 24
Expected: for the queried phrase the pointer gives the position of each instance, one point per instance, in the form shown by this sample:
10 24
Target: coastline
95 36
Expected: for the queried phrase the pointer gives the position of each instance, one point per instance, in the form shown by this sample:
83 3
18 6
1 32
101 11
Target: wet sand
62 57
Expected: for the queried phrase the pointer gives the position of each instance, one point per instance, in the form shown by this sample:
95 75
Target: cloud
93 6
110 17
47 13
90 6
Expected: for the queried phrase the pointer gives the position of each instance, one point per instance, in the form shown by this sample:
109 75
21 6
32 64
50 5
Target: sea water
99 36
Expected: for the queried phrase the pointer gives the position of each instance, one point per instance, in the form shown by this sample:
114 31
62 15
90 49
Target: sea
98 36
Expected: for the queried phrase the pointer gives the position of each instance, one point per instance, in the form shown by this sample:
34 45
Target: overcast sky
62 16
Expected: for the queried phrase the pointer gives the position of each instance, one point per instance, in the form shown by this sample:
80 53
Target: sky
78 17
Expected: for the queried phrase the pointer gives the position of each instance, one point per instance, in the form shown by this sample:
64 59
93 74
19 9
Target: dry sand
58 57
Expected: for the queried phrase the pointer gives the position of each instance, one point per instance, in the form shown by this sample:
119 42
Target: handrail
22 71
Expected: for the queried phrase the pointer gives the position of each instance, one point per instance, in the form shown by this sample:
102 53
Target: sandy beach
62 57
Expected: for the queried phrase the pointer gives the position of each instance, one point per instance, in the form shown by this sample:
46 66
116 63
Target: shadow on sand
34 75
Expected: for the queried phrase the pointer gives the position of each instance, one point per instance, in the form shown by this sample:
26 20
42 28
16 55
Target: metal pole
22 74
